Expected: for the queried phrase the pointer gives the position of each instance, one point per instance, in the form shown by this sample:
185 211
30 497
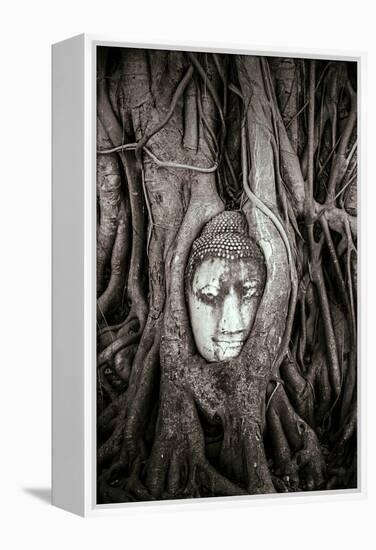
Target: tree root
115 486
242 455
123 362
109 189
109 414
178 467
120 343
142 384
284 467
306 454
299 390
113 295
112 446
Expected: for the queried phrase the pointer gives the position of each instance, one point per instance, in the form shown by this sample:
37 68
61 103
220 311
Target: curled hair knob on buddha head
224 236
225 278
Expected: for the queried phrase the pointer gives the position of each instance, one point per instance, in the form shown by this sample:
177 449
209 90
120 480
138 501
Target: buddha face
223 297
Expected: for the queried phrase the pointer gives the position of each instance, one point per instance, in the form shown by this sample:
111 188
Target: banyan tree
226 274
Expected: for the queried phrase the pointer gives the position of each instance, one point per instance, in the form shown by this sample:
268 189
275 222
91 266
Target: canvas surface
226 274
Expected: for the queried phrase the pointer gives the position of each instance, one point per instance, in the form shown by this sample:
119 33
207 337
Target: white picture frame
73 282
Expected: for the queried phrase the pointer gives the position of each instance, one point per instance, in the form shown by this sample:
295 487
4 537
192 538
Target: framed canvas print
205 274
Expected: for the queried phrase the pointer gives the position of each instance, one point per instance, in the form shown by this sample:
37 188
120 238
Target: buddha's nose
231 321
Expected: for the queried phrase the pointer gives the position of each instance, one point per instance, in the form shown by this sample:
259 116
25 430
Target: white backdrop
27 30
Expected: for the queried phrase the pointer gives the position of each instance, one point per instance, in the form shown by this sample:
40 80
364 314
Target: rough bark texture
181 137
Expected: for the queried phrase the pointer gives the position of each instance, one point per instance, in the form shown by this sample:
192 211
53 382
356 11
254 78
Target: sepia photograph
226 274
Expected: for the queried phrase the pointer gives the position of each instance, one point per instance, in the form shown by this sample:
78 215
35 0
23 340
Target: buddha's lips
228 342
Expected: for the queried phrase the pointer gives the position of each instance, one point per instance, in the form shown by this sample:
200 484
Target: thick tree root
178 466
306 454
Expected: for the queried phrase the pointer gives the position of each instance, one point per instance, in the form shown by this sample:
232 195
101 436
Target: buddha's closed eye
251 289
208 293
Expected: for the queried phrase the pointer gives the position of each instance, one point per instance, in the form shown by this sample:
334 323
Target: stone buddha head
225 279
